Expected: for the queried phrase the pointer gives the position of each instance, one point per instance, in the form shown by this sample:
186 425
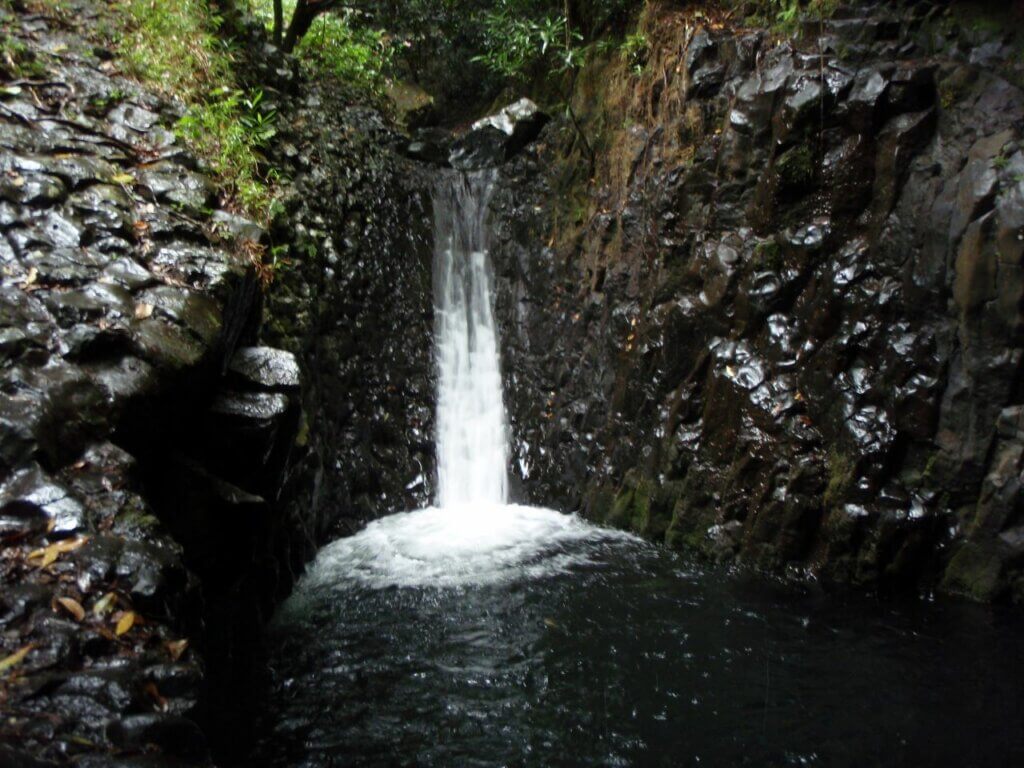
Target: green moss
975 572
631 507
796 168
842 472
768 256
18 62
135 516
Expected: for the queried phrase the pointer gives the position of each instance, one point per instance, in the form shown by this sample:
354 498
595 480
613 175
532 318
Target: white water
472 438
473 536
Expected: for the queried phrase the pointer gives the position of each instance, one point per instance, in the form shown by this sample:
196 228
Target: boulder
494 139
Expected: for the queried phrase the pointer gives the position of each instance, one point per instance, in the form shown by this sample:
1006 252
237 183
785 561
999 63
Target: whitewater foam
460 546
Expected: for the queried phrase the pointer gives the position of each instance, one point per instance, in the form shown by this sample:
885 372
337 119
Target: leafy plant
358 55
634 50
230 129
513 46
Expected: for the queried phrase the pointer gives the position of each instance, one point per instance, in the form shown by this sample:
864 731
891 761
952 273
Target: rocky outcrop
353 301
143 445
497 138
783 322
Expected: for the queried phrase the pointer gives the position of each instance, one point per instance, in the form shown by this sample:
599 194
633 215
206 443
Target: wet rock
238 227
430 145
184 190
31 491
790 303
480 148
118 312
251 406
173 735
266 368
494 139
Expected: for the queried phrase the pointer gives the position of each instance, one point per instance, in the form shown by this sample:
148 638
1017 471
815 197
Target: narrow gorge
608 383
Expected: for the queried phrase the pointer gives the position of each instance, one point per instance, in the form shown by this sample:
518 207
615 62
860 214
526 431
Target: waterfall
472 436
473 536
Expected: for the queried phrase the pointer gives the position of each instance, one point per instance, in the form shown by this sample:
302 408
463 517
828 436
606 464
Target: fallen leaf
143 310
30 278
73 607
123 178
17 181
16 658
551 623
48 555
154 693
176 648
125 623
104 604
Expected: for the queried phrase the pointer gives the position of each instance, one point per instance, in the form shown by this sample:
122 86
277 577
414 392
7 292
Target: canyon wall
761 298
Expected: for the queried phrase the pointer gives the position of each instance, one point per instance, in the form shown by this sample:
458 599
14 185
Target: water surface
572 646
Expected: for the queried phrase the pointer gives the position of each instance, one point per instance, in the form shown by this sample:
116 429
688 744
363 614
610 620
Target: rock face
497 138
354 303
142 445
783 323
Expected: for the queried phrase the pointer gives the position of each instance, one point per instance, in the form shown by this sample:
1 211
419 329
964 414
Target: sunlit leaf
105 604
48 555
16 658
125 623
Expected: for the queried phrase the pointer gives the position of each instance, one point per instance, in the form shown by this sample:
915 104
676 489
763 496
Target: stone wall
144 439
767 305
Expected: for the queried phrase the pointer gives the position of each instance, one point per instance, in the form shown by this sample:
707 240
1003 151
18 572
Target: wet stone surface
777 318
117 314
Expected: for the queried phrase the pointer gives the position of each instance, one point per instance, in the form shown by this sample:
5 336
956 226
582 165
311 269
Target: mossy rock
632 505
598 503
796 169
135 517
976 572
842 472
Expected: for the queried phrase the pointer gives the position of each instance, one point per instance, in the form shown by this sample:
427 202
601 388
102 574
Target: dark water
638 658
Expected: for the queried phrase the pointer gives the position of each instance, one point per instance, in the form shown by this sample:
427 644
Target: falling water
473 535
472 437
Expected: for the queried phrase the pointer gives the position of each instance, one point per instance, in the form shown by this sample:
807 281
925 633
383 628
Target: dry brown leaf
176 648
143 310
125 623
16 658
73 607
